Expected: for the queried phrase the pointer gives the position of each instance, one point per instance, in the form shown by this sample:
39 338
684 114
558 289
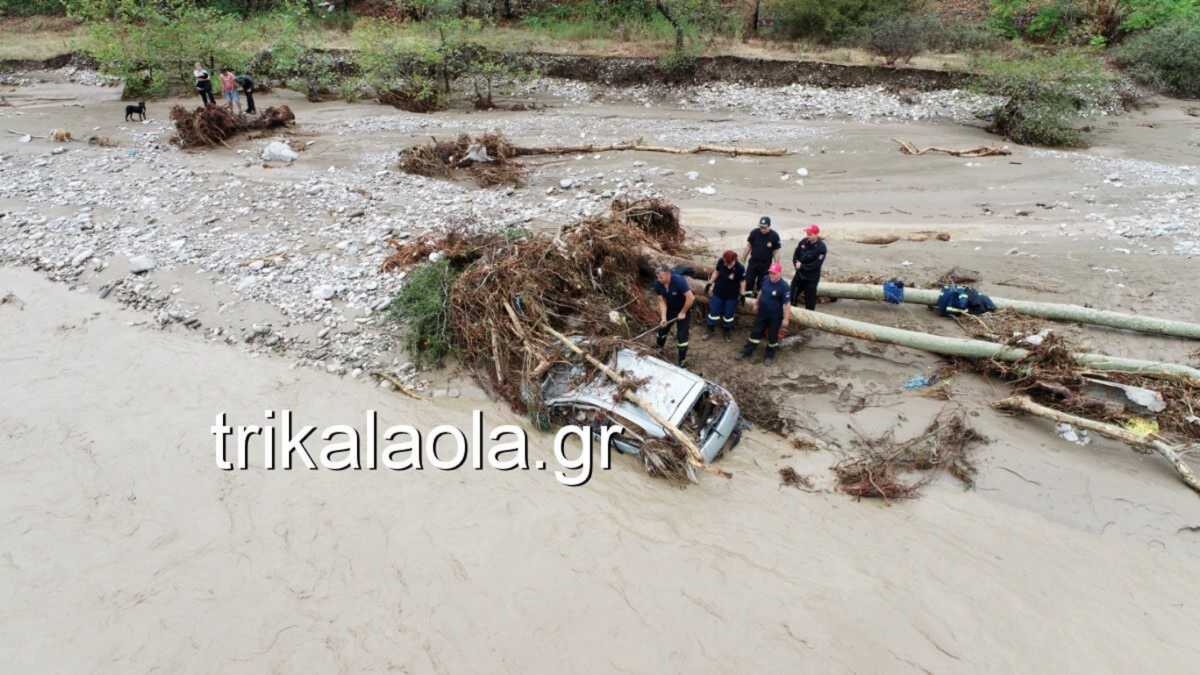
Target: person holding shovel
772 316
675 300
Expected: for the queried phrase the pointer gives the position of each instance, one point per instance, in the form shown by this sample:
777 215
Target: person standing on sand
675 300
726 287
203 85
247 84
808 258
229 90
762 249
772 316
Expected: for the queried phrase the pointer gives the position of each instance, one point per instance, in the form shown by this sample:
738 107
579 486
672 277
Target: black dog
139 110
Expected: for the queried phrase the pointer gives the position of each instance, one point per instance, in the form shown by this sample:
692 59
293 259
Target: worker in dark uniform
762 249
808 258
675 300
772 316
725 289
247 84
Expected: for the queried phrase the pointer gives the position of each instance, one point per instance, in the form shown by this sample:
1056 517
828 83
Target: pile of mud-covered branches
488 160
886 469
514 296
207 126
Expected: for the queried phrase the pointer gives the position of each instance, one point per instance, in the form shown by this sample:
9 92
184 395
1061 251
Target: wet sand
126 550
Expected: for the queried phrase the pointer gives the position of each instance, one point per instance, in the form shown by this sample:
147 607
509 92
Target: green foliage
423 305
830 21
1047 95
154 47
965 37
1166 57
32 8
903 36
1147 14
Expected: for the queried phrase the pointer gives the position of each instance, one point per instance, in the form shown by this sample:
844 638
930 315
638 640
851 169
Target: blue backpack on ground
962 299
893 291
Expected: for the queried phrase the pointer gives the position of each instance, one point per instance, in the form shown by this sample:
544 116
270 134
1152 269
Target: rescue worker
808 258
725 290
762 249
772 315
675 300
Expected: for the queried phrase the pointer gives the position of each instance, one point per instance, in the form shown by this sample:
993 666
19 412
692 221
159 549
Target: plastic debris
1070 434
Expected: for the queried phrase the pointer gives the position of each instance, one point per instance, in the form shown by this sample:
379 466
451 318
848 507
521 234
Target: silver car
700 408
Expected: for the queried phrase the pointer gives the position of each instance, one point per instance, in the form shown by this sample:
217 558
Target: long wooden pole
966 348
1045 310
1168 452
695 458
732 151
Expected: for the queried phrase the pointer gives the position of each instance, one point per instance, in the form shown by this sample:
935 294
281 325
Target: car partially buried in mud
702 409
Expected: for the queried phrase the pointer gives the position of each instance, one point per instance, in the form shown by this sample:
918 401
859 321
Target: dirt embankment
624 71
628 71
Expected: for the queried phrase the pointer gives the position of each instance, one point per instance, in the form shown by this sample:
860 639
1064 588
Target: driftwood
966 348
1149 442
637 146
893 238
982 151
1045 310
695 458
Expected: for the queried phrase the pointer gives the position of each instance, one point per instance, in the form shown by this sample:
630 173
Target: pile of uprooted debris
491 159
513 295
514 298
212 125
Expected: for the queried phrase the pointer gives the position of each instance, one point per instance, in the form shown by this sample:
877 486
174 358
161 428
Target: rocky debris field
793 102
293 251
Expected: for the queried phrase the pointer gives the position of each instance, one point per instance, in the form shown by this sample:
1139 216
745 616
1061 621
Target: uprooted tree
207 126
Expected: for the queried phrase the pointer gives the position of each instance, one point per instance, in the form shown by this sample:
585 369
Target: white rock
324 292
82 257
802 172
693 175
707 190
566 183
140 264
278 151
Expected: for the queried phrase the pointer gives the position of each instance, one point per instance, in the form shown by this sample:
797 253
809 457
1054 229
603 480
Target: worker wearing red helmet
808 259
771 316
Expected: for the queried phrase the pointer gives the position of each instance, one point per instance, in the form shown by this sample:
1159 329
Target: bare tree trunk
666 12
1167 452
751 19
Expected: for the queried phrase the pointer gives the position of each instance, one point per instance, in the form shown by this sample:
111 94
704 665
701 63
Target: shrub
423 304
32 8
965 37
1147 14
1166 58
901 37
1045 96
830 21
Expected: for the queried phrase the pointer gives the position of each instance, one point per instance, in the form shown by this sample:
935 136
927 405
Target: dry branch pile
213 125
982 151
882 464
487 159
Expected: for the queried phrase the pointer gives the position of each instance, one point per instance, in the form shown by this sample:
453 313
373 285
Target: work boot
746 352
769 357
727 335
682 357
709 333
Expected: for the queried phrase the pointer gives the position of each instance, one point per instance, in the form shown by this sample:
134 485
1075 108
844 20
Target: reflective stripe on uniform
681 345
753 341
728 319
713 318
772 345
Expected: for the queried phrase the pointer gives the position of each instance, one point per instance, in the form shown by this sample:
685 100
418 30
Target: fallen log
966 348
637 146
1148 442
1045 310
885 239
981 151
695 458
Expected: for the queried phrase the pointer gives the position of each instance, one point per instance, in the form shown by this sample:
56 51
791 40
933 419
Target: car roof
670 390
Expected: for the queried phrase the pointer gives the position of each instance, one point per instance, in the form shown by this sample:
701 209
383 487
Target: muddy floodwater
123 548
